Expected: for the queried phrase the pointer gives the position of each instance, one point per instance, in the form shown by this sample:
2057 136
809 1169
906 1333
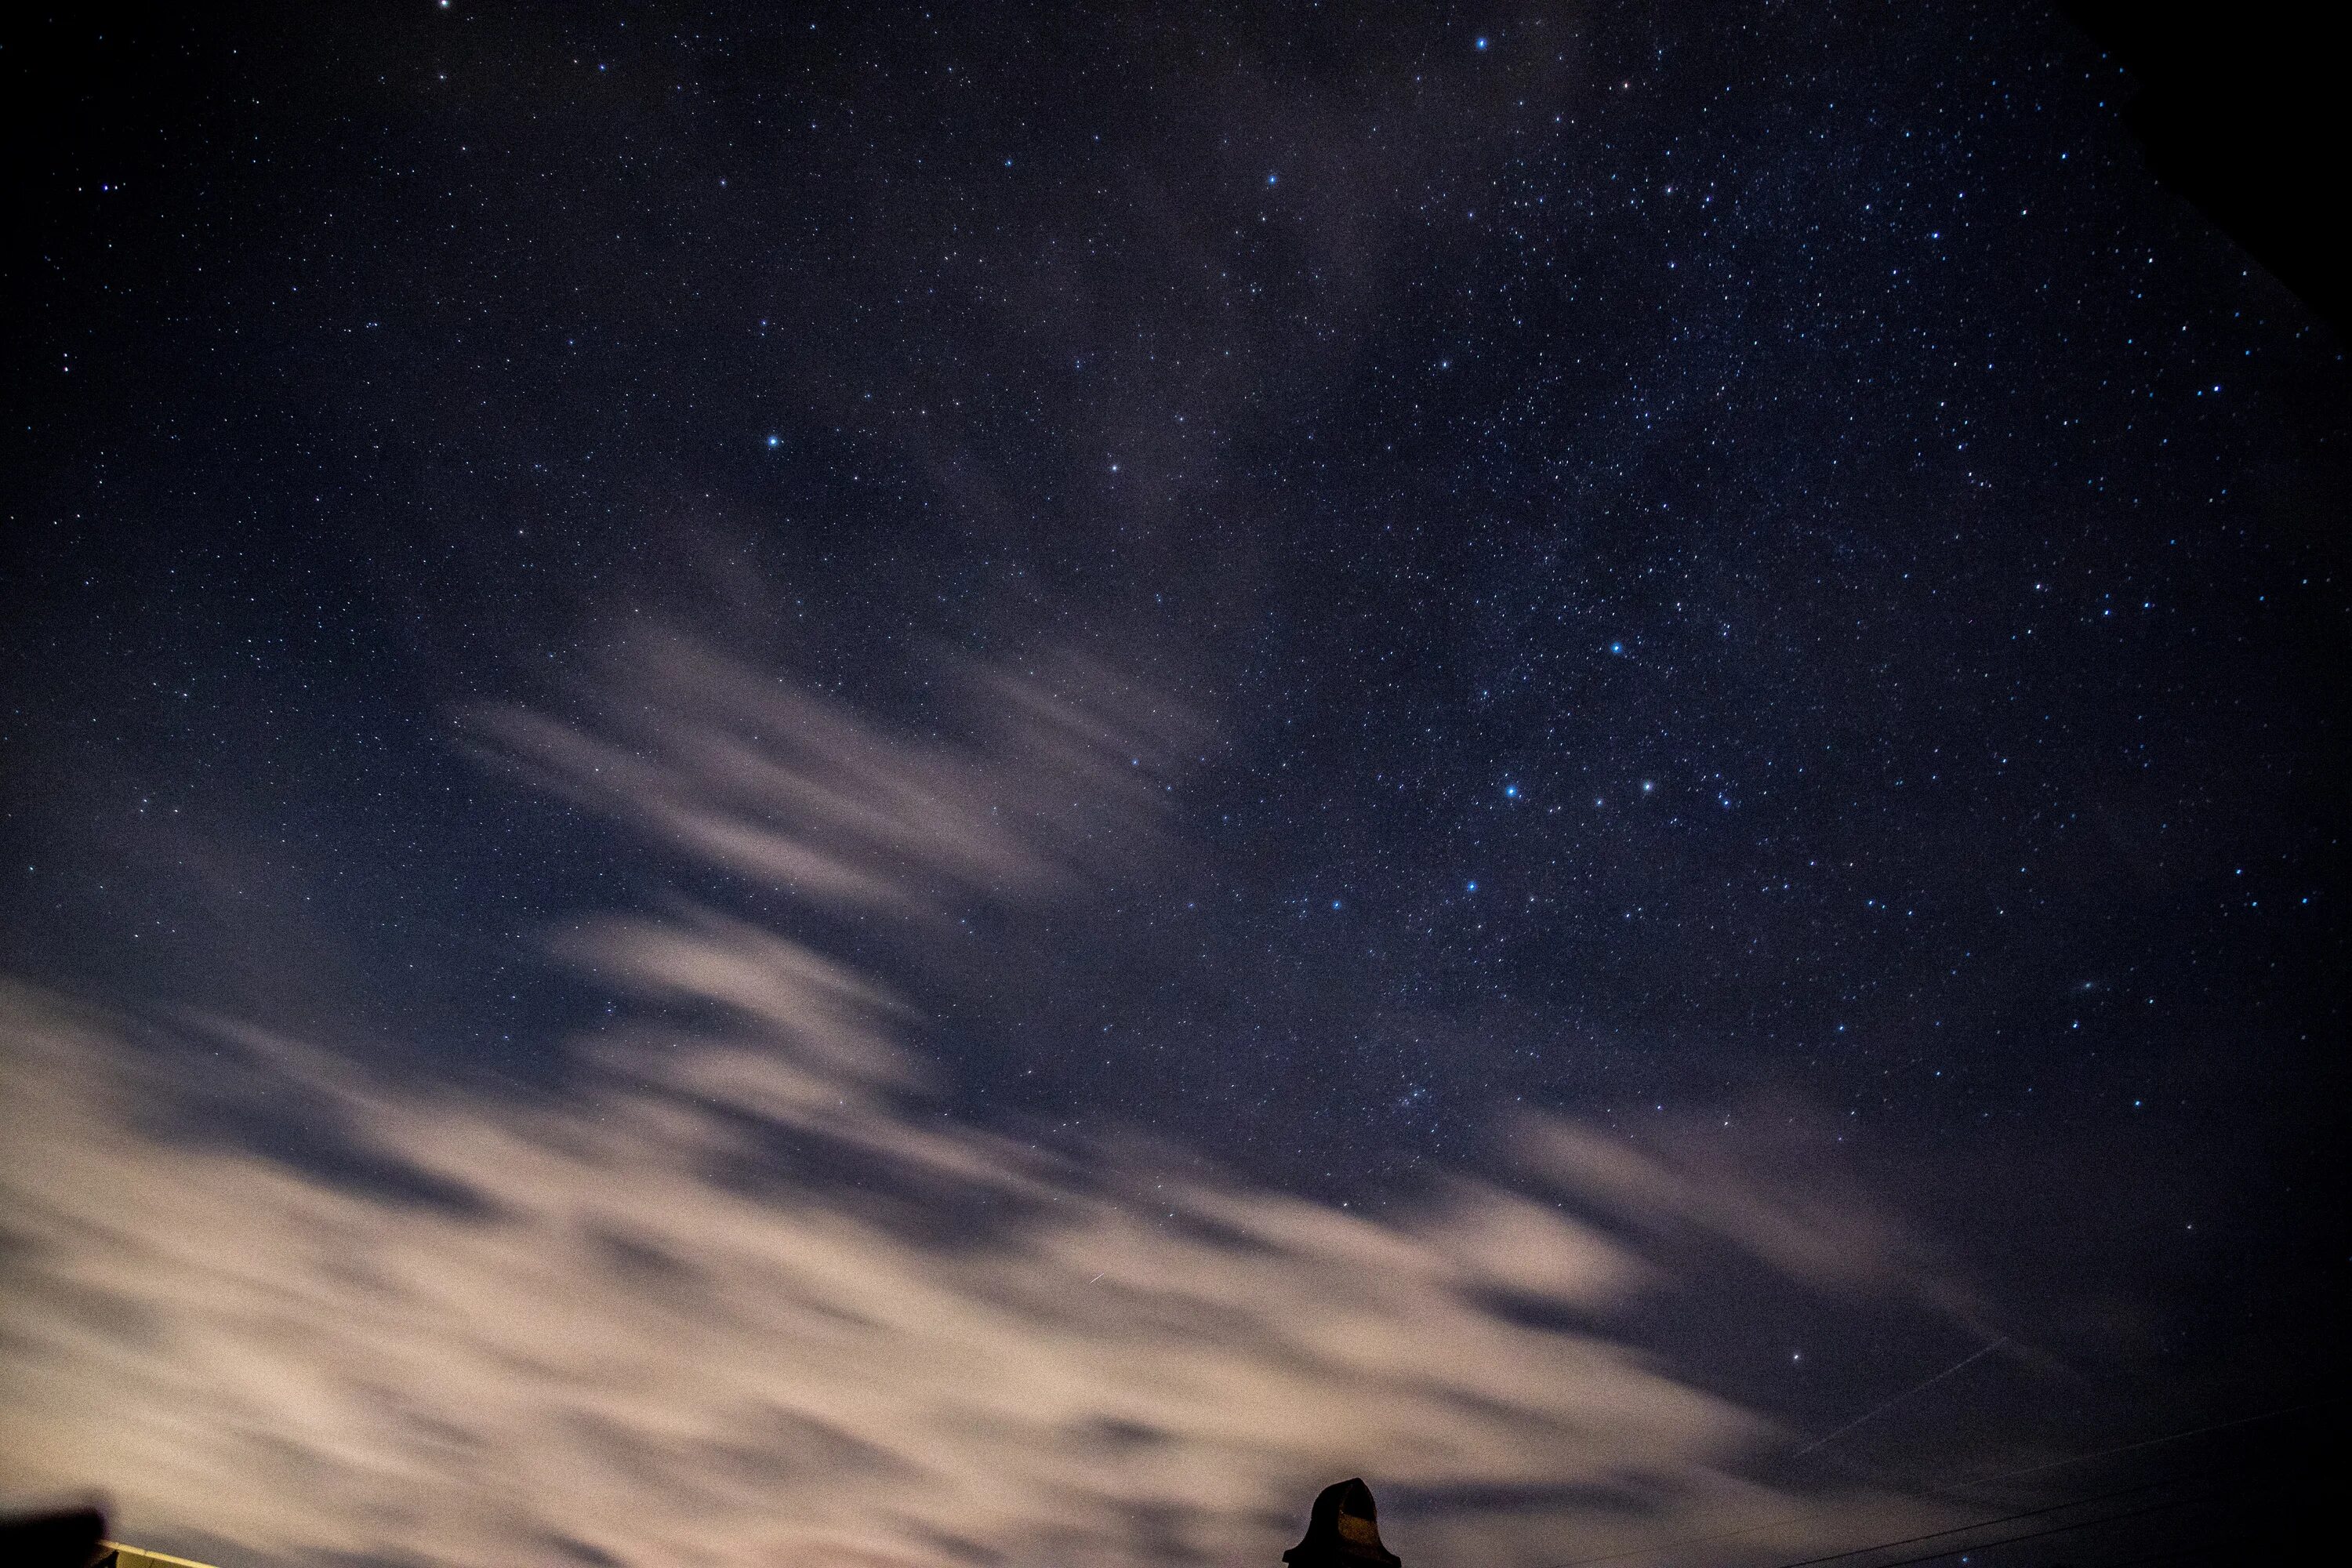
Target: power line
1970 1481
2027 1535
2147 1443
1981 1524
1798 1517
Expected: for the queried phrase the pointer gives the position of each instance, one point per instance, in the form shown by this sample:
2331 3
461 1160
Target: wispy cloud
741 1294
1061 773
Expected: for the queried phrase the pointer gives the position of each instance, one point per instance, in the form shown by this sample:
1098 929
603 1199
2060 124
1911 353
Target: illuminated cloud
739 1294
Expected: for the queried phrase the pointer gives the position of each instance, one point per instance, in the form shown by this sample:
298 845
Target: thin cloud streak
1064 776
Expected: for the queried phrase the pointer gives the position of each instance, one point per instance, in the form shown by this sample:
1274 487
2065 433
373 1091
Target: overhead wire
2146 1442
2158 1441
2007 1540
1980 1524
1855 1551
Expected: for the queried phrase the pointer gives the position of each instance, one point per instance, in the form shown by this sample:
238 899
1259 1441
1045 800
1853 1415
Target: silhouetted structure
72 1539
1342 1531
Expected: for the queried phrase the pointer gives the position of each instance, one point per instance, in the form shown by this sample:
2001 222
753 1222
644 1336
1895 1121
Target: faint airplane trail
1880 1410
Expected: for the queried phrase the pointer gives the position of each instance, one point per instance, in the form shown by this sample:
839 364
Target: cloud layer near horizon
740 1295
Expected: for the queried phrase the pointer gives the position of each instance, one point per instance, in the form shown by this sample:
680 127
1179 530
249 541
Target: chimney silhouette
1342 1531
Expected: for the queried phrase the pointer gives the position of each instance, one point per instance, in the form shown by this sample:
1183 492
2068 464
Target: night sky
1584 736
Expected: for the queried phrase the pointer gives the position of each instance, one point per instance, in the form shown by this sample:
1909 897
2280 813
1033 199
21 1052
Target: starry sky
1589 738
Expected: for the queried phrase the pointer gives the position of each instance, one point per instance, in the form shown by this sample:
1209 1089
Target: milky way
1640 695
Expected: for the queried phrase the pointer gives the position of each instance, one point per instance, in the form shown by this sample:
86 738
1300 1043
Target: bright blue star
775 440
1334 903
1474 886
1511 792
1616 648
1270 179
1482 43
